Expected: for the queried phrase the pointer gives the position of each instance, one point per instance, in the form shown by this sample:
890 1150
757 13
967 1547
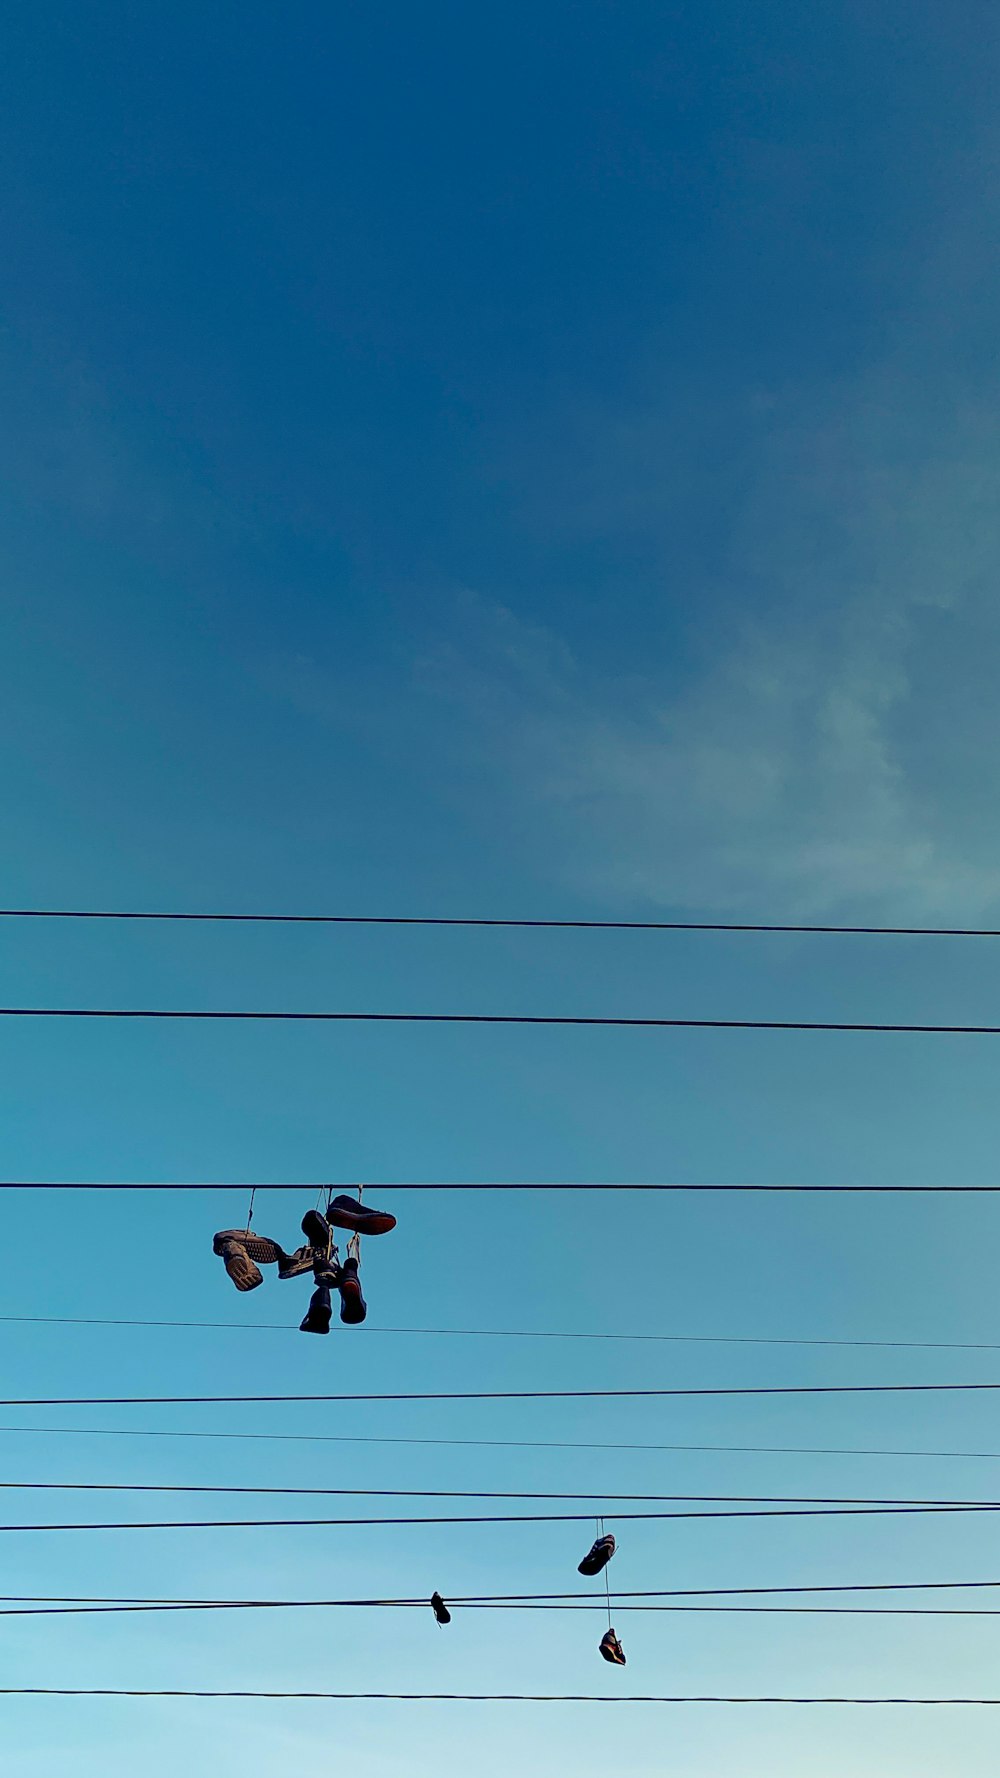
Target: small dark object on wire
439 1608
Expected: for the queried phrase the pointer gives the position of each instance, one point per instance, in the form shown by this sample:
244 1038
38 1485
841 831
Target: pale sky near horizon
532 461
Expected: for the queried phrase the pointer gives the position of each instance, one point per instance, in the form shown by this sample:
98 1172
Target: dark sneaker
230 1245
317 1317
353 1307
598 1556
347 1213
440 1609
326 1267
292 1265
612 1649
316 1230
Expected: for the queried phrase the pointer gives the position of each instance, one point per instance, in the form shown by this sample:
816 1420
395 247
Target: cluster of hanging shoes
243 1252
594 1562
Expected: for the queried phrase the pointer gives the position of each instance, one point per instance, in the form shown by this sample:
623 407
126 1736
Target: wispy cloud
831 748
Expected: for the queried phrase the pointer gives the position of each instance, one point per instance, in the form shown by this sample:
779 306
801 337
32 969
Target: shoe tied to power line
353 1307
347 1213
612 1649
243 1251
440 1609
317 1317
598 1556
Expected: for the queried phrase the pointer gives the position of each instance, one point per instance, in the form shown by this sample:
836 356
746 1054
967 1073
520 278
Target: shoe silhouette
347 1213
353 1307
612 1649
316 1230
598 1556
440 1609
317 1317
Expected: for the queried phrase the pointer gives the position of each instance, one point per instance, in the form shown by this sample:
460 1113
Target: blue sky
532 461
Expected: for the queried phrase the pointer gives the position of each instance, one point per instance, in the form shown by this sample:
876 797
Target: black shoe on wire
598 1556
353 1307
612 1649
347 1213
317 1317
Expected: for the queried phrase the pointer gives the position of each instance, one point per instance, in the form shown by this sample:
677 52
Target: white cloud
816 761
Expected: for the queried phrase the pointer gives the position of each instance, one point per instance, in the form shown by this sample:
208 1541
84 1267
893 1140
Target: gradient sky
538 460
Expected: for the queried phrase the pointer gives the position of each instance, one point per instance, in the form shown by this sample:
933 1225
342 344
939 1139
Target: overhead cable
62 1691
505 1444
484 1494
153 1607
522 924
309 1188
512 1333
750 1512
92 1401
286 1015
470 1599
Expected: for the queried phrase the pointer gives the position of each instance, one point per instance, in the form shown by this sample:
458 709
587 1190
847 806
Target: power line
104 1401
512 1333
334 1438
285 1015
61 1691
525 925
476 1599
767 1512
485 1494
152 1607
309 1188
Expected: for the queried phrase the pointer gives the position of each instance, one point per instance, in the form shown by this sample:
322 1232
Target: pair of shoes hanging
241 1249
353 1307
342 1212
596 1559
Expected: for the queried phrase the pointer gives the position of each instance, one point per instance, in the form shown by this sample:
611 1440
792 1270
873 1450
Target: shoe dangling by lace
439 1608
317 1317
612 1649
231 1246
598 1556
347 1213
353 1307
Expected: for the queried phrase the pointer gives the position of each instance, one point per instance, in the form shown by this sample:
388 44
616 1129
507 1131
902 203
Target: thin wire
140 1608
484 1599
486 1494
486 1018
776 1512
530 925
61 1691
512 1333
72 1401
607 1583
334 1438
309 1187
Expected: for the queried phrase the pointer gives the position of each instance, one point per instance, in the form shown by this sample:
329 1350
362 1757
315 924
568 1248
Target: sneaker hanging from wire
598 1556
348 1213
293 1265
440 1609
611 1649
353 1307
317 1317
